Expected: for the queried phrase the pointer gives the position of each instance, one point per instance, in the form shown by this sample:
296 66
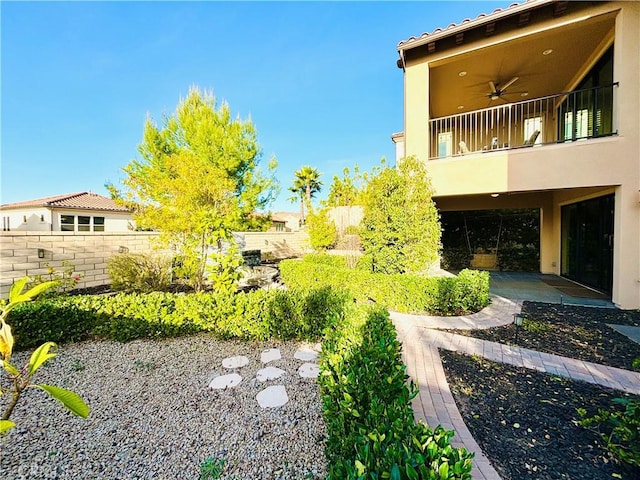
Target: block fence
89 252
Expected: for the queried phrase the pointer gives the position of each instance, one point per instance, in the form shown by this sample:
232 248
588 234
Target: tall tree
198 178
346 191
305 185
400 230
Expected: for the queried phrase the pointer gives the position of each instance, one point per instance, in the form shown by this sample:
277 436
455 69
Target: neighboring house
74 212
538 106
285 222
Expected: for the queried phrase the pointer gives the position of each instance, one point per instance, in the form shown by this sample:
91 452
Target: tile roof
481 18
284 216
80 200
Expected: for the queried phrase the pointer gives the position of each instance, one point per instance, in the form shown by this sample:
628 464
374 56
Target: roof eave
464 26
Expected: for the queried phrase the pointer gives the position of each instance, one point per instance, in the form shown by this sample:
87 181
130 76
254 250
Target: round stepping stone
309 370
270 355
269 373
306 354
274 396
235 362
225 381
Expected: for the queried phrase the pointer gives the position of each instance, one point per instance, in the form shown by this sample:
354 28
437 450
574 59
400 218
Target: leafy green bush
366 399
468 292
455 258
322 230
619 431
139 272
57 319
324 259
256 315
519 258
400 230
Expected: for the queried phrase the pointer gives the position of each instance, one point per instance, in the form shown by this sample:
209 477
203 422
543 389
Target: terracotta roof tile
482 16
80 200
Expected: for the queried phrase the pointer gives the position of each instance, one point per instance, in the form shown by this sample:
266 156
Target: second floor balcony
564 117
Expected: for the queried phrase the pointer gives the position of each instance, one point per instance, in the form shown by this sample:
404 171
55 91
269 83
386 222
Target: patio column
549 239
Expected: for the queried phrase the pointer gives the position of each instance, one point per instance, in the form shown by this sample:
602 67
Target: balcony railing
563 117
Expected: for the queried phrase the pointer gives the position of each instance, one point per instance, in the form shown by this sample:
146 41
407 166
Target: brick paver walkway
435 404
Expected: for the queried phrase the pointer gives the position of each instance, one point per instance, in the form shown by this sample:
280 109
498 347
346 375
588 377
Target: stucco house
537 105
73 212
286 222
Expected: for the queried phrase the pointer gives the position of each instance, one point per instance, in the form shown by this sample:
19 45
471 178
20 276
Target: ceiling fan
498 90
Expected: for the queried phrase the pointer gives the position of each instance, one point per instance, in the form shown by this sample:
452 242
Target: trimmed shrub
56 319
366 399
468 292
139 272
257 315
325 259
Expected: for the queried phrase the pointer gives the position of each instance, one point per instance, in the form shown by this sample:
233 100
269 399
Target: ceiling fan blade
509 83
493 87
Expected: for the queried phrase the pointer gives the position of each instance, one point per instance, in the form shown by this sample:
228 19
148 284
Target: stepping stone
306 354
269 373
270 355
235 362
309 370
274 396
225 381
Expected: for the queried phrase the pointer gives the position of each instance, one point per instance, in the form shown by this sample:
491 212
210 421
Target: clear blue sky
319 81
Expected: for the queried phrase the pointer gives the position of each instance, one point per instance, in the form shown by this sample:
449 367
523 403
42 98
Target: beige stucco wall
554 175
113 221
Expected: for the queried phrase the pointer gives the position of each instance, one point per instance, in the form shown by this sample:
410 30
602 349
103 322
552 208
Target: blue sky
318 79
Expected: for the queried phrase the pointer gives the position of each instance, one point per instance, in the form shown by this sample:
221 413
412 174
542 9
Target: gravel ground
154 417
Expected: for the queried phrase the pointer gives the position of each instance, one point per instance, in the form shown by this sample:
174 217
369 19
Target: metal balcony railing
563 117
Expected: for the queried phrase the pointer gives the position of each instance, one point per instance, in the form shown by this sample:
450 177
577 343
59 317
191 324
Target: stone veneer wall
89 252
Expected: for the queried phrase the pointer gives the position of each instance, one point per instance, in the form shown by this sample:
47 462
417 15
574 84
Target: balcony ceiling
572 46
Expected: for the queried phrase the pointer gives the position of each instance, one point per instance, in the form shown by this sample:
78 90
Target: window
588 110
581 128
445 142
98 224
84 224
530 126
67 223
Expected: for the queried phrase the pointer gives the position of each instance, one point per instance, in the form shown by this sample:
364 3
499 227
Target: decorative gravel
153 415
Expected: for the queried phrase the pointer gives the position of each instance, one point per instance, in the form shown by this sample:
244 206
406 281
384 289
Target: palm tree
305 185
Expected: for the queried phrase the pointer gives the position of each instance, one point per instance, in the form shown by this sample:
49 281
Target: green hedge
468 292
259 315
366 399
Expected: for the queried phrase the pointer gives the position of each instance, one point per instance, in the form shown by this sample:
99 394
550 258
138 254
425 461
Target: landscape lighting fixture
41 253
518 318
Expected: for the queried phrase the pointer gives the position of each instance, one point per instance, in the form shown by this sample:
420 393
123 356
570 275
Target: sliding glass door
587 242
